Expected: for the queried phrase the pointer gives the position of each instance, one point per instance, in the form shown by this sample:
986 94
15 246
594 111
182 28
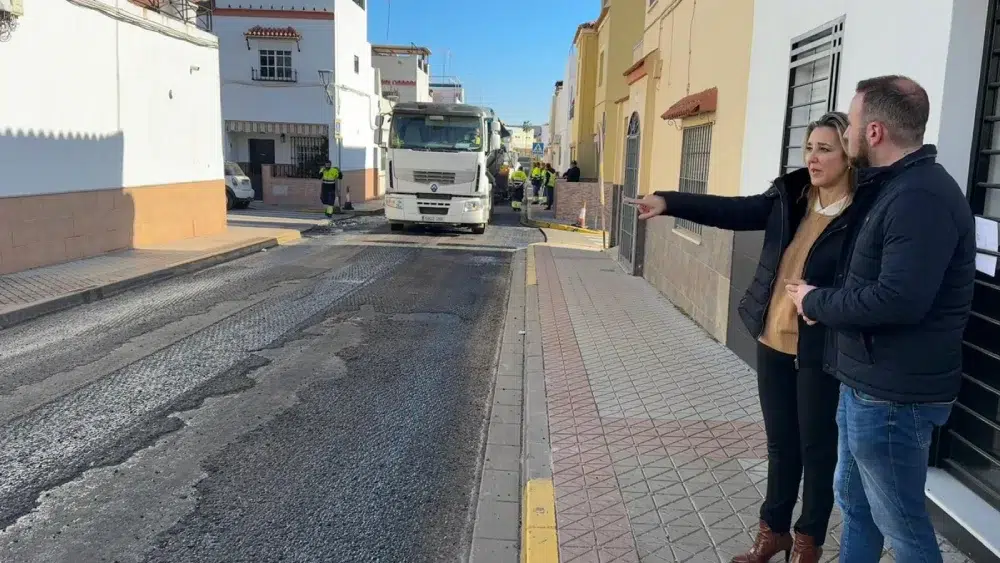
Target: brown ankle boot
805 550
767 545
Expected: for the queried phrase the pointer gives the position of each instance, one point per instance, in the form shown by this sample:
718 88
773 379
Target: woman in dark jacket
808 217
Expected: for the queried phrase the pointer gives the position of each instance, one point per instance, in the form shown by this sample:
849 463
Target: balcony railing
275 75
638 51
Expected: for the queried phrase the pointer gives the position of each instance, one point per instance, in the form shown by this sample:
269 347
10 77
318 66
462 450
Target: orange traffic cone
581 220
347 199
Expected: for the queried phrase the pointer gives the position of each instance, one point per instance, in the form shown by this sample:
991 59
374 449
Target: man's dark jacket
778 212
573 174
908 291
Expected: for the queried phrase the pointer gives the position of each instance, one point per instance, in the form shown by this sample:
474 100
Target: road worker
329 175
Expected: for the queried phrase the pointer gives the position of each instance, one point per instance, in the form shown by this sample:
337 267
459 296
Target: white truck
439 164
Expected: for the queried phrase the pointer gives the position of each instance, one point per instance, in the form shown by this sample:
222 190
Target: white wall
114 106
927 40
356 92
448 94
244 99
402 73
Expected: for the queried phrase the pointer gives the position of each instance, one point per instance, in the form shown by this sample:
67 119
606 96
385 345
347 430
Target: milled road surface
319 402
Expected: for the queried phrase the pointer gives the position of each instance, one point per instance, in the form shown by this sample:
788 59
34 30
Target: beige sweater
781 327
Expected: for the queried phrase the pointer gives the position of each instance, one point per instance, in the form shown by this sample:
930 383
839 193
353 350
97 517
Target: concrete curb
496 525
91 294
558 226
539 543
342 214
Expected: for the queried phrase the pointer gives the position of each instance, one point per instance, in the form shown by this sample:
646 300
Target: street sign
538 149
336 130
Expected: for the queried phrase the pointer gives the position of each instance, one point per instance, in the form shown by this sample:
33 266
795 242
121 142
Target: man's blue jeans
881 472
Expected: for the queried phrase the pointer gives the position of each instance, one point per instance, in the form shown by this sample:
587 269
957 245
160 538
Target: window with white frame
813 77
275 65
696 148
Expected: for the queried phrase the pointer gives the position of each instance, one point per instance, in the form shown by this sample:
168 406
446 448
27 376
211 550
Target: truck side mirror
378 137
379 120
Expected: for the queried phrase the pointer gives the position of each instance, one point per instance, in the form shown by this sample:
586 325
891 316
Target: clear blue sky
508 54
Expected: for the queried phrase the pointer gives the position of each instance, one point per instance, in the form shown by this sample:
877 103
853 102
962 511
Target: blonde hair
838 122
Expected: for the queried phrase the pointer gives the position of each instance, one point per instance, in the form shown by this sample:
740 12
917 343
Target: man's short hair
899 103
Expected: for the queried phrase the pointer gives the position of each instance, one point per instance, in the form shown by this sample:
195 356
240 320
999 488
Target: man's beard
862 159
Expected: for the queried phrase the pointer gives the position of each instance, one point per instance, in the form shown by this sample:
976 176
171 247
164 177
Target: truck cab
439 158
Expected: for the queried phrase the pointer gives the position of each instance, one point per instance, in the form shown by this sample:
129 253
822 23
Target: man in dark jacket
572 174
899 319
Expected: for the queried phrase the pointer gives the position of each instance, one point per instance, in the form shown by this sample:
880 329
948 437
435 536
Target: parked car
239 192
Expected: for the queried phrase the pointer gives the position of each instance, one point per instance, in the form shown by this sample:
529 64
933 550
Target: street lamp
328 79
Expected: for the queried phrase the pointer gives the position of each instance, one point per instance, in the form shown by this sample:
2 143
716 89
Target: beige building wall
582 147
708 48
618 30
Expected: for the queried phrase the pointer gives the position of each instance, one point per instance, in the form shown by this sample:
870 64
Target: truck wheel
395 227
479 229
230 200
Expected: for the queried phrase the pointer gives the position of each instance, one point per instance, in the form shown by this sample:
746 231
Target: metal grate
630 230
696 150
968 447
309 154
433 177
813 76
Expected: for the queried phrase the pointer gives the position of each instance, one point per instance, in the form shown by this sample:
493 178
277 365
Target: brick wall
570 197
305 191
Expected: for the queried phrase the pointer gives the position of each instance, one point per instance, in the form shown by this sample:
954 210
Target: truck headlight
393 202
473 205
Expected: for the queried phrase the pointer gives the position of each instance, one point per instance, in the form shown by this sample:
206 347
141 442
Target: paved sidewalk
658 447
28 294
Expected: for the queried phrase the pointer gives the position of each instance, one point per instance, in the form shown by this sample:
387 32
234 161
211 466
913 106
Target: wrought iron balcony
274 75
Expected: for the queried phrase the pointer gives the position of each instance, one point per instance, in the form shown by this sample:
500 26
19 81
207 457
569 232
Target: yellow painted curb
286 238
531 277
561 227
540 543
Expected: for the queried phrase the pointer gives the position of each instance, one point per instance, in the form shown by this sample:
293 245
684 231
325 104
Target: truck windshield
436 133
233 169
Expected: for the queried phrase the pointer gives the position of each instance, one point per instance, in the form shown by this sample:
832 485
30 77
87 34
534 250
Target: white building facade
806 59
559 128
405 72
447 90
128 110
276 108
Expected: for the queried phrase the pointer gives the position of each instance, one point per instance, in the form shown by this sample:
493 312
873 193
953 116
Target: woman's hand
649 206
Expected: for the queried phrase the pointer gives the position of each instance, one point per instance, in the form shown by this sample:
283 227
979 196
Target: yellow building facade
619 27
686 101
582 147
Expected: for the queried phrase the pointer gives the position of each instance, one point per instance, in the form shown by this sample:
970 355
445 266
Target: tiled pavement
658 447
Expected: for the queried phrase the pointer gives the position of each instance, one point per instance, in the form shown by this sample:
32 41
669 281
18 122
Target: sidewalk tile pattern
658 446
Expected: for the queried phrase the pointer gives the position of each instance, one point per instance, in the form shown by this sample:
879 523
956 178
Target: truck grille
433 210
433 177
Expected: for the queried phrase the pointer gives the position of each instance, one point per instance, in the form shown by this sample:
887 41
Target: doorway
261 152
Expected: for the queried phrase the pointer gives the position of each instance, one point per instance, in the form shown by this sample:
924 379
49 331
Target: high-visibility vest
536 173
331 174
519 175
551 180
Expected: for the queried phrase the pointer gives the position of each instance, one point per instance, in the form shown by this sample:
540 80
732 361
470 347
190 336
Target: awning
696 104
276 33
261 32
274 128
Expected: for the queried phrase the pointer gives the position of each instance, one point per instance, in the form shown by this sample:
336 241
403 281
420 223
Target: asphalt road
321 402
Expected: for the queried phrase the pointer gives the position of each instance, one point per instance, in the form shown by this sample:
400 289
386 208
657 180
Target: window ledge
687 235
